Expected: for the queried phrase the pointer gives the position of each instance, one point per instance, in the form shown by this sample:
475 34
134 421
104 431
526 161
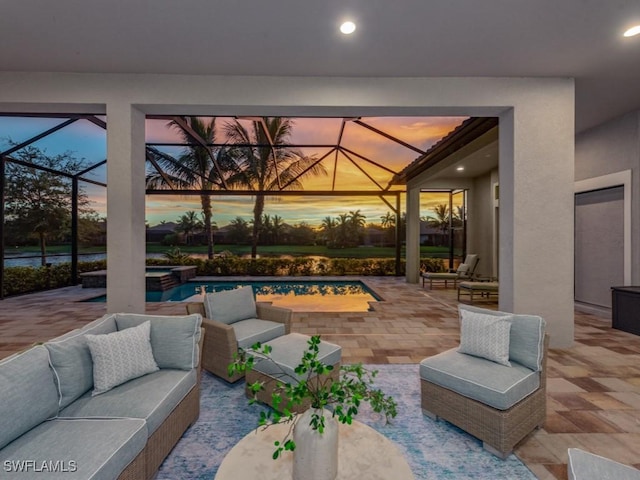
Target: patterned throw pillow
120 356
485 336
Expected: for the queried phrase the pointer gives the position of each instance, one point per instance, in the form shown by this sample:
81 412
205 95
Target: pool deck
593 388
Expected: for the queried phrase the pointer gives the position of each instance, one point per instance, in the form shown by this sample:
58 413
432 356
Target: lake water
29 260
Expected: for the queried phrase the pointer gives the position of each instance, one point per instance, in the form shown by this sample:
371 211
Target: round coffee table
363 454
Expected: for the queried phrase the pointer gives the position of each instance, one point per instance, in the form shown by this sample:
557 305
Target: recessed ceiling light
460 169
633 31
348 28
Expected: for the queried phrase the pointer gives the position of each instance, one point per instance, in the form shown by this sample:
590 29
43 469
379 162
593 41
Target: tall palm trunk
43 249
258 208
208 231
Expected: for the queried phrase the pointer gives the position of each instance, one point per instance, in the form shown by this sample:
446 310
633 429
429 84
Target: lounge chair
234 320
465 271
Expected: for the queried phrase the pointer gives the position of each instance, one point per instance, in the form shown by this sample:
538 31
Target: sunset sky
85 140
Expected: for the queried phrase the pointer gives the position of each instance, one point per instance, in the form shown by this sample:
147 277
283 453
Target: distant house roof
163 227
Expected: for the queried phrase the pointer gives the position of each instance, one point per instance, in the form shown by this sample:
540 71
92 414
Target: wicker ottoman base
286 354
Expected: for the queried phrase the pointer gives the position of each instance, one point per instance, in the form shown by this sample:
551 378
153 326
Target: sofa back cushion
526 343
230 306
174 339
72 366
71 359
28 393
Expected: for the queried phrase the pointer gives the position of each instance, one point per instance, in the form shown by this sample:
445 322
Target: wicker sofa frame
220 343
499 430
161 442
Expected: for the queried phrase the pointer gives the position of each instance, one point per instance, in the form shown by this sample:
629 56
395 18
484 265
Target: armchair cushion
526 342
488 382
230 306
254 330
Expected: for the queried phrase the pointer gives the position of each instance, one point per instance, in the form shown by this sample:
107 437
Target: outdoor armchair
465 271
234 320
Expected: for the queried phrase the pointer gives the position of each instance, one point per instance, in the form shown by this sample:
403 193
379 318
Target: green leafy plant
343 395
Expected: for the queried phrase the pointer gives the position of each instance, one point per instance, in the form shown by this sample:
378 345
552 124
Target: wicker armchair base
499 430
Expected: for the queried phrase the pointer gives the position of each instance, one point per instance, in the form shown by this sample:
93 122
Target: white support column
413 235
125 208
536 214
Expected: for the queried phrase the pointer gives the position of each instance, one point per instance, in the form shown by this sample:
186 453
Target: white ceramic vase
316 454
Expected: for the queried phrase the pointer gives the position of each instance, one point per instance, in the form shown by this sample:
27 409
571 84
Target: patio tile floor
593 387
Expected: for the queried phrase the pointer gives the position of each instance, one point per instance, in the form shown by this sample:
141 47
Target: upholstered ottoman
286 355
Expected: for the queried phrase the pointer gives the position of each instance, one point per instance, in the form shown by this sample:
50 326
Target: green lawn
306 250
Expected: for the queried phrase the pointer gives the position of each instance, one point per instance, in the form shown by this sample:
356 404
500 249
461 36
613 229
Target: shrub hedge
20 280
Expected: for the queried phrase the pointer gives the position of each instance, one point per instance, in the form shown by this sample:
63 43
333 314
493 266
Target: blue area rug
434 450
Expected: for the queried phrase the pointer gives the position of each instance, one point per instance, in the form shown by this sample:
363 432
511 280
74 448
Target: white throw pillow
485 336
230 306
120 356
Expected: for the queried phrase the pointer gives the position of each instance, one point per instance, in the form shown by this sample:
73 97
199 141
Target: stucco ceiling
512 38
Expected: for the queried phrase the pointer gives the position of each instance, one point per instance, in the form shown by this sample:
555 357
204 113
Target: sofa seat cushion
488 382
28 393
99 449
255 330
151 398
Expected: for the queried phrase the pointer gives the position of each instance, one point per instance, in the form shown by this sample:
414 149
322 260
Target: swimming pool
299 295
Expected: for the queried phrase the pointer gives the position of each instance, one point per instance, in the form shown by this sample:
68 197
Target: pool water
299 295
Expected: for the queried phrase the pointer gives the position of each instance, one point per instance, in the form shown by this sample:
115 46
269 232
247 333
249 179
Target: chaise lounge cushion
488 382
526 343
25 376
230 306
254 330
120 356
151 397
174 340
101 448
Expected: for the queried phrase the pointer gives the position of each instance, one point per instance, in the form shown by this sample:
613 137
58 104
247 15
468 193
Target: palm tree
343 230
265 168
356 225
329 230
441 220
277 228
194 169
239 230
188 223
388 220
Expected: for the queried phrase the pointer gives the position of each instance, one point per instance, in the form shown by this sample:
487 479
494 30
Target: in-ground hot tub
158 278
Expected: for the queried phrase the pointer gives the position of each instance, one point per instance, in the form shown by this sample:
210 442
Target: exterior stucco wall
536 155
608 149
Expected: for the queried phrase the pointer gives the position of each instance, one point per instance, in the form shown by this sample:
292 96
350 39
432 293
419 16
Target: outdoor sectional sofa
56 426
